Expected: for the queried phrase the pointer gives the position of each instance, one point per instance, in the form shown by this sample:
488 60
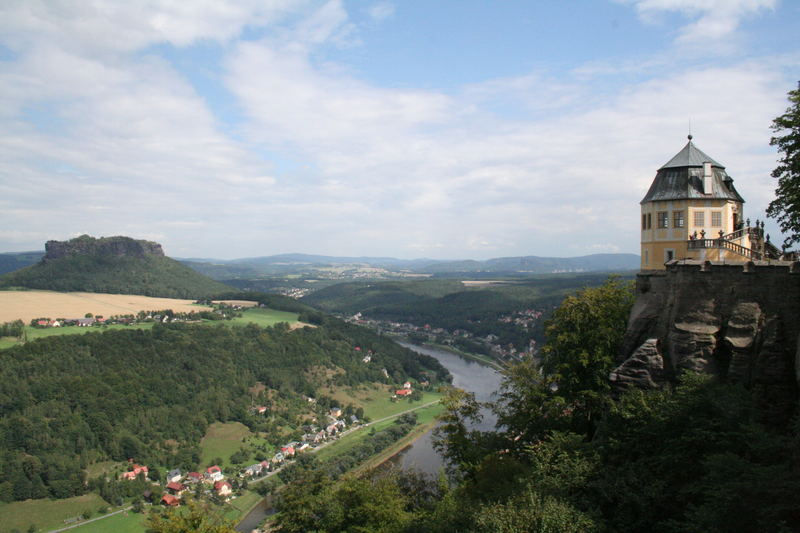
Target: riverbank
419 430
480 358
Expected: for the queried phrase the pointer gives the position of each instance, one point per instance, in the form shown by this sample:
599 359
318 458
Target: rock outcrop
738 322
86 245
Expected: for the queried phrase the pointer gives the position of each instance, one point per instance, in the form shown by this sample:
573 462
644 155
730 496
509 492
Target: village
221 486
219 311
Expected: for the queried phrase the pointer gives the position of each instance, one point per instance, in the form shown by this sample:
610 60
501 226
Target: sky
409 128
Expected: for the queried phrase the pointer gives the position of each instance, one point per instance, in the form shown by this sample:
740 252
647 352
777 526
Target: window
644 221
663 219
646 257
669 255
649 220
699 218
677 219
716 219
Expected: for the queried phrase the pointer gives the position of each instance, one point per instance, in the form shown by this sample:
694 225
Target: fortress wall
737 321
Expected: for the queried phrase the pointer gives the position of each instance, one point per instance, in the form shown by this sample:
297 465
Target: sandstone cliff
739 322
86 245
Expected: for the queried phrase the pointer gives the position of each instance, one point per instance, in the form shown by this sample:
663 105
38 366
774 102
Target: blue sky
448 129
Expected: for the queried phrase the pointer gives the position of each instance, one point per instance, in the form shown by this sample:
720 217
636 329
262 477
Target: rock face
86 245
738 322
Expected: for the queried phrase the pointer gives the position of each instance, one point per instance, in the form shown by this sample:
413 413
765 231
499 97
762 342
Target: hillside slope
112 265
10 262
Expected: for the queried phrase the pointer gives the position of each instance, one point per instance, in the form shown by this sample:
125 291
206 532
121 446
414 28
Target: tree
583 339
195 519
785 208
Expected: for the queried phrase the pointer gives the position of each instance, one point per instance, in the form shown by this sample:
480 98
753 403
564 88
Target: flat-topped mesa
115 246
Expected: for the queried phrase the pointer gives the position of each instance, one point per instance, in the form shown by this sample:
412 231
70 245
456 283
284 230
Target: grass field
8 342
38 333
425 417
47 514
380 404
259 316
221 440
27 305
236 509
426 420
265 317
127 522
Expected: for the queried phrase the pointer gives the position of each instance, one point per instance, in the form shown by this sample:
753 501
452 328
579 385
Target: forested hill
69 401
112 265
450 304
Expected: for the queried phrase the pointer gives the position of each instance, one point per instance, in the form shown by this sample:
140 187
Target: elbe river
467 374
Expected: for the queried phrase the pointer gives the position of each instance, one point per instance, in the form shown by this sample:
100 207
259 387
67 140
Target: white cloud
381 11
712 20
127 26
327 162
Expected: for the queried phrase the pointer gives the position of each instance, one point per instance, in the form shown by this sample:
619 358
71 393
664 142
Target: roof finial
690 128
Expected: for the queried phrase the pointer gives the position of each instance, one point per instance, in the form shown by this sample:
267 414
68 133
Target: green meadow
265 317
47 514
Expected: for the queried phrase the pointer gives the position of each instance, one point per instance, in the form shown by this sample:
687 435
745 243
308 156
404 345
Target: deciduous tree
785 208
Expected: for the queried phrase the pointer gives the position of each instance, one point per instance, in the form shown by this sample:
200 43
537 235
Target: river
467 374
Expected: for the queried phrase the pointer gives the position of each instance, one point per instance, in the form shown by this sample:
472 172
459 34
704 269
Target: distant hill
285 264
9 262
113 265
540 265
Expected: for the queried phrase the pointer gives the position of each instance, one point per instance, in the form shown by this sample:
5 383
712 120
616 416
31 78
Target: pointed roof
682 178
690 156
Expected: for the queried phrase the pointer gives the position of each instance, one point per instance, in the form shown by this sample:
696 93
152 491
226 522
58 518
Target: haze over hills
284 264
11 261
297 263
112 265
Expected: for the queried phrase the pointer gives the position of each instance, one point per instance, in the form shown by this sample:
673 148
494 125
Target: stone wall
739 322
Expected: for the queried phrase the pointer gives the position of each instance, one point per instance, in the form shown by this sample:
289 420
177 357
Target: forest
570 454
69 401
449 304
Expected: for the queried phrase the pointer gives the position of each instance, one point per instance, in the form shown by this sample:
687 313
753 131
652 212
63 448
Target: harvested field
27 305
243 303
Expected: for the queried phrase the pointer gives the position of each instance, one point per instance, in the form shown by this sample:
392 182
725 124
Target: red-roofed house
175 488
287 450
194 477
403 392
135 472
214 473
223 488
169 499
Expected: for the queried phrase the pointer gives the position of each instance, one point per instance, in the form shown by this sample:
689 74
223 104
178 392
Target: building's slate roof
690 156
682 178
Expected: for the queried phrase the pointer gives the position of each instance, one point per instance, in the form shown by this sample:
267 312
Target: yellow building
692 211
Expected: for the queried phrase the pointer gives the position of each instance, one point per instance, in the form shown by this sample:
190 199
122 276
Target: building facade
693 211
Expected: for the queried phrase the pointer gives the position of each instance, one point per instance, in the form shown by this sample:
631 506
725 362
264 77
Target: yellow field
27 305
